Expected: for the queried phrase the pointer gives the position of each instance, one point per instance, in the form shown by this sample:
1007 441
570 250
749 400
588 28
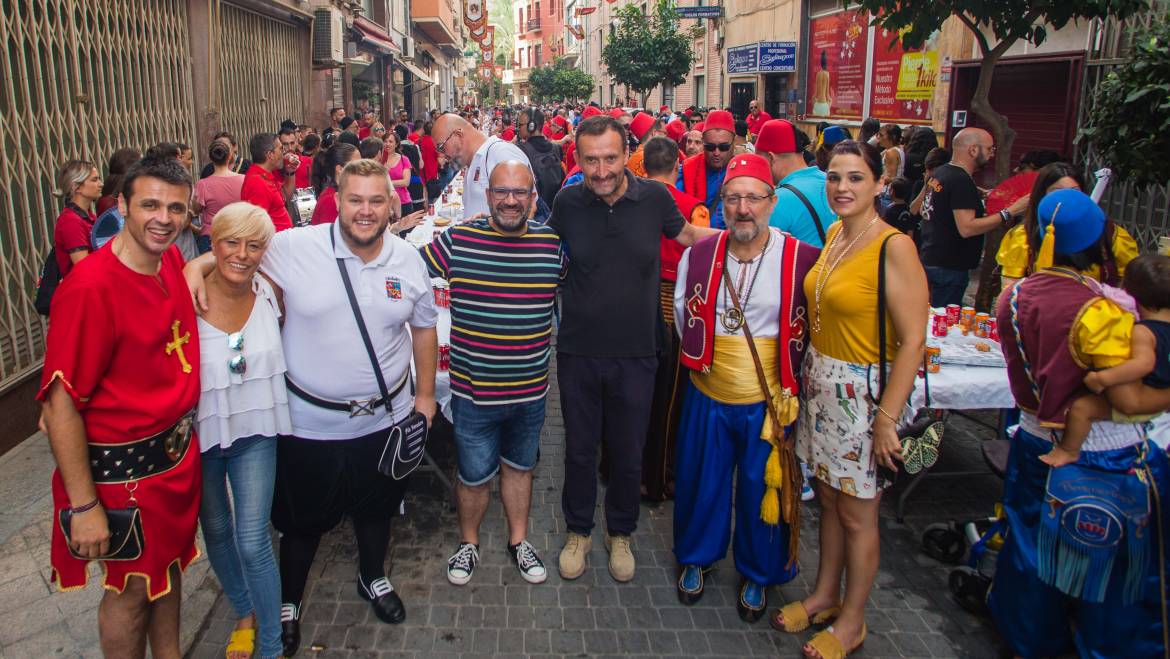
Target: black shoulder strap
361 323
811 211
881 317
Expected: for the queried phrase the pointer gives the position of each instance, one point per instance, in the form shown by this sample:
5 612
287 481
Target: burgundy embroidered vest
1048 306
704 279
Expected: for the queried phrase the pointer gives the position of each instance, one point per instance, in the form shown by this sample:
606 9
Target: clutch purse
126 539
405 447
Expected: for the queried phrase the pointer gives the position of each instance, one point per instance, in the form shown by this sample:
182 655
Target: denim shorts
486 435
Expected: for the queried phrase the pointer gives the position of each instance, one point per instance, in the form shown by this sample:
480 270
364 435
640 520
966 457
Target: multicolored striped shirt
503 290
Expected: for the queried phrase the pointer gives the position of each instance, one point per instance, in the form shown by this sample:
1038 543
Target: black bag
47 284
546 166
126 539
406 445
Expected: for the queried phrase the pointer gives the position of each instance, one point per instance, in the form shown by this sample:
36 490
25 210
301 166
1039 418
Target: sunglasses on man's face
722 146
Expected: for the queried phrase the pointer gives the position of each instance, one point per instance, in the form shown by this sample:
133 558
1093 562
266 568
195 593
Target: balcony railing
533 24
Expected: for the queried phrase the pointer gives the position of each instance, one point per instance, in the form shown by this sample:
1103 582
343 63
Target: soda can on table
442 295
967 317
993 330
953 311
933 359
938 324
982 325
445 357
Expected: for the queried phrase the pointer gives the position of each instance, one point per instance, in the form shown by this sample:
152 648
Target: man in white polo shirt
471 150
327 469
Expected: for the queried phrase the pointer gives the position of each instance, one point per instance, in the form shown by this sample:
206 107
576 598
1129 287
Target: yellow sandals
796 617
242 640
829 646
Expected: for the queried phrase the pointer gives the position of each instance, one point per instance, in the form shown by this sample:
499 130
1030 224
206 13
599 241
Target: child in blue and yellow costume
1083 563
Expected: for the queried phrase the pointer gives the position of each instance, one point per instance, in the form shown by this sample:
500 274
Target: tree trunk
1004 137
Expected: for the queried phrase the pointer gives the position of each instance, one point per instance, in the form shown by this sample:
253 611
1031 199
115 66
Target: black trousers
604 399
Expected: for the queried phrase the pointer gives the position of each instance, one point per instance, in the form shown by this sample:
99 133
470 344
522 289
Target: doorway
742 94
776 94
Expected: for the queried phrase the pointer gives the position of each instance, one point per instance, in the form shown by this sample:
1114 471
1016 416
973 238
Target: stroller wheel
944 542
970 589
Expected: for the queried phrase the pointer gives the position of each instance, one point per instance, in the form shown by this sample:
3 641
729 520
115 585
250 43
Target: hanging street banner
489 38
702 11
576 31
584 11
474 14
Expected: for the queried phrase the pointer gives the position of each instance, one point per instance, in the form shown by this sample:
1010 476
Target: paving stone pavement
911 613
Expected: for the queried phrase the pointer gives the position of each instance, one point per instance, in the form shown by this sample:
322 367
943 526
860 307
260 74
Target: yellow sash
733 380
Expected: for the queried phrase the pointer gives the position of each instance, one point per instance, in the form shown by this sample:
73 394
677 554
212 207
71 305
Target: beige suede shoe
621 559
572 561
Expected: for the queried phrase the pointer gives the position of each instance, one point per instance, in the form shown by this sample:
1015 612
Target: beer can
933 359
982 325
953 311
993 330
445 357
938 323
967 317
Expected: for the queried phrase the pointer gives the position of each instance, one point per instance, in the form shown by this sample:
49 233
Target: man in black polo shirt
953 223
610 334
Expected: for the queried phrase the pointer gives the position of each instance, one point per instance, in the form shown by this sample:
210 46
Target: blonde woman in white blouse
242 408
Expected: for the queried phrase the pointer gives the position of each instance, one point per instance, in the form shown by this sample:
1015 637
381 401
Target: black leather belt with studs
131 461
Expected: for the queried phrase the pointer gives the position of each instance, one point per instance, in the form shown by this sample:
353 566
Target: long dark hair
325 165
1045 178
863 150
119 164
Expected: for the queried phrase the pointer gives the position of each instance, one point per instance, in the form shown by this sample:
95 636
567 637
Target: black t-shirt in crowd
610 296
949 188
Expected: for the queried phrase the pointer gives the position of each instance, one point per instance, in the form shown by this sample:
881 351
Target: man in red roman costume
740 312
702 174
121 379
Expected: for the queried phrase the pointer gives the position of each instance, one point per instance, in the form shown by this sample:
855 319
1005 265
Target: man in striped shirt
504 274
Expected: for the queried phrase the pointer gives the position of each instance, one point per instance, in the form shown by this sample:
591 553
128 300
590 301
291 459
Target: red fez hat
641 123
676 129
590 111
719 120
616 113
664 108
751 165
776 136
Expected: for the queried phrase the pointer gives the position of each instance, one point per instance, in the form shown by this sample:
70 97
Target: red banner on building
474 14
837 65
584 11
489 37
902 82
576 30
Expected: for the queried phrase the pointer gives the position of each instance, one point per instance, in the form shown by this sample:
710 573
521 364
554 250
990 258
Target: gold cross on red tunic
177 346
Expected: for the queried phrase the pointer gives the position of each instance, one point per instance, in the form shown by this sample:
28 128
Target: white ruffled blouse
233 406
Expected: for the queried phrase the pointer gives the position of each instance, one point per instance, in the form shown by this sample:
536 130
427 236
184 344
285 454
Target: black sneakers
462 563
530 566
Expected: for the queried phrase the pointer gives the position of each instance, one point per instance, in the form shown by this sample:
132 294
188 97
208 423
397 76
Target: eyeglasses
441 145
722 146
500 194
237 364
751 200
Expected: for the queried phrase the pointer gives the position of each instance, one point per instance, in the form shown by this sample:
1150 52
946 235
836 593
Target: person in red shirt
309 147
270 181
366 121
118 391
326 169
756 117
430 157
81 186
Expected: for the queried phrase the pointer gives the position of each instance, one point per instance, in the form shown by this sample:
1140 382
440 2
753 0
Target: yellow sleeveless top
849 329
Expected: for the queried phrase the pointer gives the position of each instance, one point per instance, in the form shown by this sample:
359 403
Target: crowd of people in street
738 310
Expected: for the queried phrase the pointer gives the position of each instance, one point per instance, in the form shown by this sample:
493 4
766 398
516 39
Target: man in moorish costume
1083 563
119 387
702 174
740 312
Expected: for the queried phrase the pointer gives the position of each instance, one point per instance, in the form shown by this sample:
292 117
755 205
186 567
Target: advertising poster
836 65
902 82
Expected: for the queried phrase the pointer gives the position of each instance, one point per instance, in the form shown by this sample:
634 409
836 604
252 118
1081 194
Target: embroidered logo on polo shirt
393 288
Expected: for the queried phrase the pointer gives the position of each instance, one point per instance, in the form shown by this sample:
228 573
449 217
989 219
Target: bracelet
886 414
77 510
1005 216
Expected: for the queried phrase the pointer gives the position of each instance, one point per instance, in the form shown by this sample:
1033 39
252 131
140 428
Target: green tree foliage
647 51
1129 126
996 26
559 81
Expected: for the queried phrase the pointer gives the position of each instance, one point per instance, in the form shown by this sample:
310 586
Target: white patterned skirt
833 436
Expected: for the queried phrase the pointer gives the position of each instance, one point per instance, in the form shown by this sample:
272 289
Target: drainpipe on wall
801 74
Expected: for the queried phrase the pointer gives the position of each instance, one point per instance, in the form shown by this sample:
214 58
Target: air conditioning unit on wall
408 48
328 37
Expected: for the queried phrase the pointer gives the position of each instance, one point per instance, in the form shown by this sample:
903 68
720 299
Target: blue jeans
244 564
947 286
486 435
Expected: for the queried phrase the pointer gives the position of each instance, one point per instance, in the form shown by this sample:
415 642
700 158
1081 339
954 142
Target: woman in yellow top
1017 251
847 427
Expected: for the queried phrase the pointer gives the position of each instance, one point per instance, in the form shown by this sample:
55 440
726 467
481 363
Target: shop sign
702 11
743 59
777 56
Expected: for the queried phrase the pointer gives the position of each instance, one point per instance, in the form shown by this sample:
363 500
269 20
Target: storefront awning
373 36
418 74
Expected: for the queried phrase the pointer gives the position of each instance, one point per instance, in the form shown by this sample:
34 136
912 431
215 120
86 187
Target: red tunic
108 333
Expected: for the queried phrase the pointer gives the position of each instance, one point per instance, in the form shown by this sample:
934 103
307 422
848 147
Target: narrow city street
911 612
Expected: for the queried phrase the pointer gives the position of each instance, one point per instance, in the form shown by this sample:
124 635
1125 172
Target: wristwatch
1005 217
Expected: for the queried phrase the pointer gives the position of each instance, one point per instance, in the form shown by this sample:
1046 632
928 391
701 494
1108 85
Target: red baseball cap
641 123
777 136
751 165
719 120
590 111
